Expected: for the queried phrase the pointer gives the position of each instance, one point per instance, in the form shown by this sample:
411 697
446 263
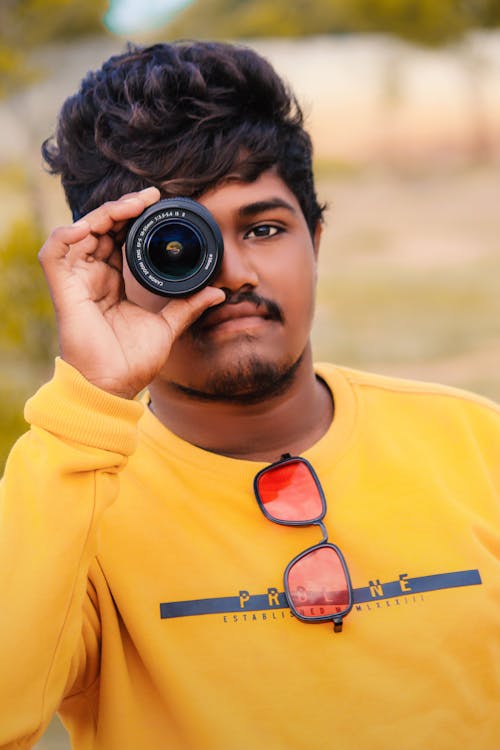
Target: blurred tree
259 18
25 24
422 21
26 309
27 330
27 335
427 22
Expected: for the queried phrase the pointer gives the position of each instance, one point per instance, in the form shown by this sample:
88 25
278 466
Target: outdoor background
403 103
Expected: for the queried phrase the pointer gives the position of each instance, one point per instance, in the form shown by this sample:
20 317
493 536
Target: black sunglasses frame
287 459
336 618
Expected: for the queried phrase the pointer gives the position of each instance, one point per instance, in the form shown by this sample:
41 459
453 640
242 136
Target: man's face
257 336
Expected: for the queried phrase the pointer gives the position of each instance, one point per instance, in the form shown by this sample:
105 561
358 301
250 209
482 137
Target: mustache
271 309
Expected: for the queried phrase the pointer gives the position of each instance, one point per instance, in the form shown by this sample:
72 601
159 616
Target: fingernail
219 301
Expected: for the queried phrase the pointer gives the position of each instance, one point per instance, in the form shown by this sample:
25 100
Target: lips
229 312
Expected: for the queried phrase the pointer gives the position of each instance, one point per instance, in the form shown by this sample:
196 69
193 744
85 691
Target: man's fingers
59 242
92 247
112 215
181 313
145 193
87 237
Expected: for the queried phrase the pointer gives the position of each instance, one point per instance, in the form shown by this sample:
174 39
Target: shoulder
403 393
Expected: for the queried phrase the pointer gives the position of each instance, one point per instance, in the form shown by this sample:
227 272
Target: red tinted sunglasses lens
317 584
289 493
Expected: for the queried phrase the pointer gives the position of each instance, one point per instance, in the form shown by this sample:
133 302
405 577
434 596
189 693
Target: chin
249 380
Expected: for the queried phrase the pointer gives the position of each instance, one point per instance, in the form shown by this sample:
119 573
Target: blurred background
402 99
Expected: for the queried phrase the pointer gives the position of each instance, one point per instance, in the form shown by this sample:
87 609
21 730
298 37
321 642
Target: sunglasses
317 583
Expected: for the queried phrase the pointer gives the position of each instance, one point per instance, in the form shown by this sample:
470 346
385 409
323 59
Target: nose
237 269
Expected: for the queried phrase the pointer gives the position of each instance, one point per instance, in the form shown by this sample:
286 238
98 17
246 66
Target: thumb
181 313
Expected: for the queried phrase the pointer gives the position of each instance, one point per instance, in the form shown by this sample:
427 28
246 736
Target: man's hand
115 344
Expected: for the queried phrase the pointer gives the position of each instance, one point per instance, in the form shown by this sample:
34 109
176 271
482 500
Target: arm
52 497
64 473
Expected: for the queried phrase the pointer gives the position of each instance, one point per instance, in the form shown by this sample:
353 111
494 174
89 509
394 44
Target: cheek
295 287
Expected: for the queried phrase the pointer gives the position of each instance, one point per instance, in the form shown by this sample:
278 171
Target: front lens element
176 251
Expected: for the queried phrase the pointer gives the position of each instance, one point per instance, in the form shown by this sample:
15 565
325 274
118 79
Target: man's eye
263 230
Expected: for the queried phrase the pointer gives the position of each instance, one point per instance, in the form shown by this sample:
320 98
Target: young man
142 585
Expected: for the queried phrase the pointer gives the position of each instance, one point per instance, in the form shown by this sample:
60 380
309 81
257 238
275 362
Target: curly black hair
180 116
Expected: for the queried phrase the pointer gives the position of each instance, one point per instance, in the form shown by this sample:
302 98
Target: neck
288 422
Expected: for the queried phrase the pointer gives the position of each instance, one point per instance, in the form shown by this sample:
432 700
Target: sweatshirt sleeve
59 479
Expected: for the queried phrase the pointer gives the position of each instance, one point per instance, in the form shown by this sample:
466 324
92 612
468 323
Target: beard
245 378
247 381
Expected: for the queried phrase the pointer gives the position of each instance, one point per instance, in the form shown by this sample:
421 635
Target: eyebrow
258 207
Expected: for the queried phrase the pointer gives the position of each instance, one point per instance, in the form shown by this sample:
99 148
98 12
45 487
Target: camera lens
175 247
176 250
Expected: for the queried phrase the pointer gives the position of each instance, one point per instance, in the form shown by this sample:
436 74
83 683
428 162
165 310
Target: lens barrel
174 248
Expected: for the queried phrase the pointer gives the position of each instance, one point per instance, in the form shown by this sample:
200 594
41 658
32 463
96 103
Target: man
142 585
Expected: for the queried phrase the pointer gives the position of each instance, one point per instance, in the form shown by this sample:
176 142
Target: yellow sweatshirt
141 589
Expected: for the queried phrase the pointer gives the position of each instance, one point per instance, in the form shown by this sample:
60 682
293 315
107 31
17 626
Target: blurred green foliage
26 24
429 22
25 304
27 332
